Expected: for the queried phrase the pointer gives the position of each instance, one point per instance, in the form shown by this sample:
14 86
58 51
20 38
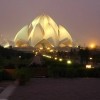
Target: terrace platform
58 89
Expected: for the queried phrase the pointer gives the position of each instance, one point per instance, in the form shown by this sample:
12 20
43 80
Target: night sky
80 17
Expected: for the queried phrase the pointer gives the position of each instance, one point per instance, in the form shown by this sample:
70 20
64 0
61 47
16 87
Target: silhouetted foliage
9 56
84 55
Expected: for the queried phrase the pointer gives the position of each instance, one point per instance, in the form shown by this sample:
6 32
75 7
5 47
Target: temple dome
43 31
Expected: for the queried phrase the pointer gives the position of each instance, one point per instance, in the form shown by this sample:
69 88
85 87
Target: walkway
58 89
7 91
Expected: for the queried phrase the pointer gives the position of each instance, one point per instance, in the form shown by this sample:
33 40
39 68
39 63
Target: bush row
71 72
52 70
5 75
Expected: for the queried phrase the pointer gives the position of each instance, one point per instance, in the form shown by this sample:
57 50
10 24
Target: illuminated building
43 32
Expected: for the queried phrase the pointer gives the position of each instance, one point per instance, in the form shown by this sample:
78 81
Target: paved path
7 92
58 89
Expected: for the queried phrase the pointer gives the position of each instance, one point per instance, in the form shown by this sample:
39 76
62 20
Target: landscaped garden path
58 89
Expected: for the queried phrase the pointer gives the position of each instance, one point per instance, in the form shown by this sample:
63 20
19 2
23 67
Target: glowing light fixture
51 50
60 59
41 48
88 66
55 58
48 48
19 56
36 53
90 58
69 62
48 56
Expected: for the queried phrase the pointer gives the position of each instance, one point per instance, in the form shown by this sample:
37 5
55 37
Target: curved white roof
64 36
51 36
44 28
22 35
36 35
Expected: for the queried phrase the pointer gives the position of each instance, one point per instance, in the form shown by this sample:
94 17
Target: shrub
22 75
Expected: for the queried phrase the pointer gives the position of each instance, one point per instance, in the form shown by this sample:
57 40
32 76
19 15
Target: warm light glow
51 50
43 31
90 58
92 46
55 58
69 62
47 56
70 45
6 46
36 53
19 56
48 48
41 48
88 66
60 59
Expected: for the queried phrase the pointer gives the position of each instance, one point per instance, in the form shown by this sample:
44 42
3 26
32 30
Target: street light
60 59
19 56
69 62
90 58
55 58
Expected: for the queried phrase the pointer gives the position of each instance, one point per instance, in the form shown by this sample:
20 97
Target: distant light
19 56
7 46
77 46
88 66
92 46
90 58
55 58
70 45
43 55
16 45
69 62
41 48
51 50
36 53
47 56
48 48
60 59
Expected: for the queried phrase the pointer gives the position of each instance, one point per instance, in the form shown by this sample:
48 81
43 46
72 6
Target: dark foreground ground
58 89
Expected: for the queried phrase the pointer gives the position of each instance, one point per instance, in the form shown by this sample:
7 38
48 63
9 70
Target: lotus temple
41 33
